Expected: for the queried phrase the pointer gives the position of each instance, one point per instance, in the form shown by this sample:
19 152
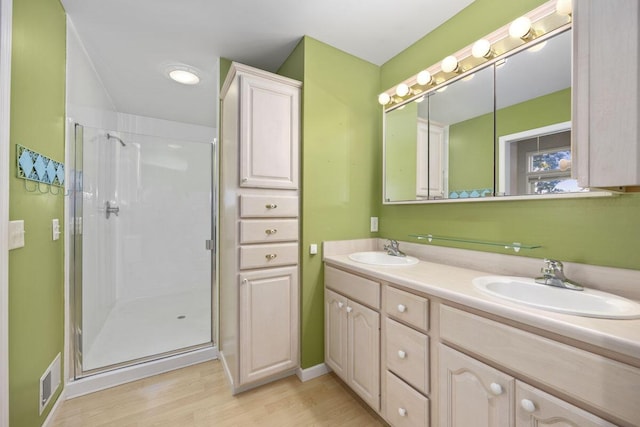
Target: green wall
341 173
36 278
600 231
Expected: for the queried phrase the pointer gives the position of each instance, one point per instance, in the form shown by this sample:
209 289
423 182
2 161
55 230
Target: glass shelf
516 246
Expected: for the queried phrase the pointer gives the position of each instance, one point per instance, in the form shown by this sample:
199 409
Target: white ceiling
132 42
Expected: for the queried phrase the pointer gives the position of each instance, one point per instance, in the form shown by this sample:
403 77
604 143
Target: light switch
374 224
55 228
313 249
16 234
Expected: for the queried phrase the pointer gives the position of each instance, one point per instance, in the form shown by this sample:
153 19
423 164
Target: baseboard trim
132 373
312 372
54 409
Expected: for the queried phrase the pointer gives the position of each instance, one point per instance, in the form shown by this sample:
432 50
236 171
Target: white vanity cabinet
352 332
473 393
406 358
606 93
593 380
259 228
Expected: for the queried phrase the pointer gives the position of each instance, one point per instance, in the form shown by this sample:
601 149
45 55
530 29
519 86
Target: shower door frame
75 269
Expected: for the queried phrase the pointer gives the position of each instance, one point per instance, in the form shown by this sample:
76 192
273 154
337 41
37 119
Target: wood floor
199 396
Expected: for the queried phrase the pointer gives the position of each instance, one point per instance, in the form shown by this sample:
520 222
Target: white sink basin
589 302
382 258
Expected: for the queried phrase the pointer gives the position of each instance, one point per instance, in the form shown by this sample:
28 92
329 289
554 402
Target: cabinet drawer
265 231
407 354
405 406
358 288
260 256
407 307
268 206
593 379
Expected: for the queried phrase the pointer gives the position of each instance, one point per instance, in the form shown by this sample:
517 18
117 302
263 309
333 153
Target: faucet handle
551 266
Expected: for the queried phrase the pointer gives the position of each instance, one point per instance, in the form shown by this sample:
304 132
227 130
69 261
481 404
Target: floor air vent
49 382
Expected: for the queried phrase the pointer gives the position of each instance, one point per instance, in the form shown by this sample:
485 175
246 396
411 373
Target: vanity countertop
454 284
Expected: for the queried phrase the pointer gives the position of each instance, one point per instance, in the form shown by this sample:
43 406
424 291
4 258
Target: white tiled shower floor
147 326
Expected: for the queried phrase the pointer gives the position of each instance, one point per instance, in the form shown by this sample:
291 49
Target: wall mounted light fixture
554 15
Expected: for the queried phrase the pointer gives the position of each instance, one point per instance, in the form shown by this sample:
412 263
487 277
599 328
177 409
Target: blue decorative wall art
34 166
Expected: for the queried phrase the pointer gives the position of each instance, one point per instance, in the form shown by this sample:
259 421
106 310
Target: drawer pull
271 206
402 354
402 412
349 309
496 389
528 405
340 304
402 308
271 231
270 257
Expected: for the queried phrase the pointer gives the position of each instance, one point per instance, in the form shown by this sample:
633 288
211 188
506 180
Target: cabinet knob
528 405
271 206
340 304
245 179
245 281
402 354
349 309
271 231
269 257
402 308
402 412
496 389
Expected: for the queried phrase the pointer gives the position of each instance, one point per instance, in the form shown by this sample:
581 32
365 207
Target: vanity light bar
525 29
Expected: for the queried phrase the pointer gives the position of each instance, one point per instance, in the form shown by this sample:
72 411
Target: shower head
109 136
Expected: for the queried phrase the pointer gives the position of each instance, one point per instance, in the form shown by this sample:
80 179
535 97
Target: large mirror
503 130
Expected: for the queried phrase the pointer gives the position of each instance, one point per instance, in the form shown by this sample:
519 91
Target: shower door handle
111 209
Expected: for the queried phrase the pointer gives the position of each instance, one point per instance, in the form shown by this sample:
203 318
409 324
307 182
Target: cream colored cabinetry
473 393
352 332
606 93
258 240
594 381
406 368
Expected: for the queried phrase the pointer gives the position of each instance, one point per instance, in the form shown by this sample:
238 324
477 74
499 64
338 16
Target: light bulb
481 49
520 28
449 64
564 7
402 90
424 78
384 98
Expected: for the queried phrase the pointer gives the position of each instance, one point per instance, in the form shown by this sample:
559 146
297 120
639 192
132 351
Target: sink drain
182 316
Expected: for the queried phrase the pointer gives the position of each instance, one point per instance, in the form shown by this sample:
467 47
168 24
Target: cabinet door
269 135
363 365
268 323
535 408
335 321
472 393
605 110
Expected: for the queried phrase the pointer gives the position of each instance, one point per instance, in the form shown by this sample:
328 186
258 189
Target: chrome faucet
393 248
553 275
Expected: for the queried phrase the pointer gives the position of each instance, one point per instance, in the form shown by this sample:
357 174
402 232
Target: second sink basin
589 303
382 258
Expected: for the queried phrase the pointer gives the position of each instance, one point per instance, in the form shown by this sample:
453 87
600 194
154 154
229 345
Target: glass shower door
143 286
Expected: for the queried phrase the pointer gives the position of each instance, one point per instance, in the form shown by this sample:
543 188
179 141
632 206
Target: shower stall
142 253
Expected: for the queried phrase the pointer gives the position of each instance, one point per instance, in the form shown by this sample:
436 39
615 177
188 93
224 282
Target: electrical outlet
374 224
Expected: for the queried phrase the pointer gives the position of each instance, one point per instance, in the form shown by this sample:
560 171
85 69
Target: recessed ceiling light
184 75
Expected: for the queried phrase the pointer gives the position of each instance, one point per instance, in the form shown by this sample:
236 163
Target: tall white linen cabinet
259 228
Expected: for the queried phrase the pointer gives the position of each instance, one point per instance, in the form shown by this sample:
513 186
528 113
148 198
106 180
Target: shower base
143 327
